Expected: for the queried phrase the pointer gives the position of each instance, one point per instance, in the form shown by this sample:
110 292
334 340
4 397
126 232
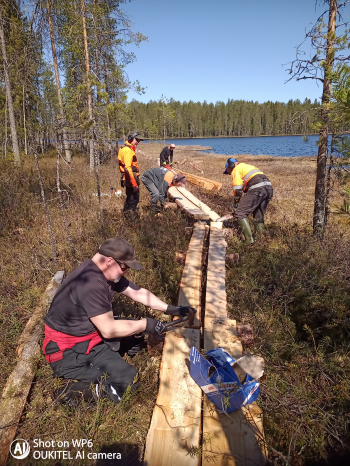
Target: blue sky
216 50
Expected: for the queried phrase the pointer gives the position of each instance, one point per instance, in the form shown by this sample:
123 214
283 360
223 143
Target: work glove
154 327
181 311
171 164
136 189
235 203
164 163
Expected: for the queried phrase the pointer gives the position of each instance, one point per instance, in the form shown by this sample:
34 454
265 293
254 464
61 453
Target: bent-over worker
166 156
80 318
158 180
130 172
258 193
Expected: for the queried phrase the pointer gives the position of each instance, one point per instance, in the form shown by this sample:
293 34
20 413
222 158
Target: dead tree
14 137
328 52
58 85
48 221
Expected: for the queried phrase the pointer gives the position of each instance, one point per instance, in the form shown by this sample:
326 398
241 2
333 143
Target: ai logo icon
19 449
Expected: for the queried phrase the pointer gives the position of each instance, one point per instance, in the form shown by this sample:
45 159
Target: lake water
279 146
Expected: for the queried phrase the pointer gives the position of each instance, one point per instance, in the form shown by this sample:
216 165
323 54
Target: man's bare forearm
143 296
118 328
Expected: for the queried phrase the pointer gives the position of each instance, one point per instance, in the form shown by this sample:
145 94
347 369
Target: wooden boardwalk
179 419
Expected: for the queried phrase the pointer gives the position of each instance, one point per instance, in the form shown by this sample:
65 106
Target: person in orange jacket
130 172
258 193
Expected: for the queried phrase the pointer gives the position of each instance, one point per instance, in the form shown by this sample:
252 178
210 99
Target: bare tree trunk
24 125
328 182
63 212
319 208
53 246
88 85
107 114
58 84
14 137
5 146
96 169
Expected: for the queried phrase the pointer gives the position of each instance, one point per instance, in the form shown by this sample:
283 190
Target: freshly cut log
191 197
190 286
191 209
175 425
236 439
200 181
18 384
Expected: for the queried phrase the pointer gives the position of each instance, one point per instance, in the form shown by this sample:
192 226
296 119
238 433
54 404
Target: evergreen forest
173 119
64 105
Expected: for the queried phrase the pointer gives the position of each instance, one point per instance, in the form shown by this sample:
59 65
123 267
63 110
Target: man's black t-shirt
165 155
85 293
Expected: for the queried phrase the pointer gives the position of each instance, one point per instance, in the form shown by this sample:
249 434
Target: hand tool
155 343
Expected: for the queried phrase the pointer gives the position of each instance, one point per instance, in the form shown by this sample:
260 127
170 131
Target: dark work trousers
255 202
93 367
132 199
152 188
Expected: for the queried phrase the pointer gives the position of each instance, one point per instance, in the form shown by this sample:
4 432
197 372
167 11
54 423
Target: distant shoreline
234 137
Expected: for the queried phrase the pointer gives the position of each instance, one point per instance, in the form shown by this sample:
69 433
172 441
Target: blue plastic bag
216 377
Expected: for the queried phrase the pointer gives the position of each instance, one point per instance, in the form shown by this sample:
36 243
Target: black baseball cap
120 250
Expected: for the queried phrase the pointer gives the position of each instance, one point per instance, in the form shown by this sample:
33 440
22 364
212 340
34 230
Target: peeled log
15 393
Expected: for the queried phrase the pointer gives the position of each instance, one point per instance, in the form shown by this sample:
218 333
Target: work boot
244 224
131 215
260 228
155 208
73 392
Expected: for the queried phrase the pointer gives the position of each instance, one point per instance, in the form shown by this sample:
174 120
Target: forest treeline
63 77
62 73
170 118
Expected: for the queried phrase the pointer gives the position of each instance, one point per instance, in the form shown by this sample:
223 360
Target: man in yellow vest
158 180
130 172
258 193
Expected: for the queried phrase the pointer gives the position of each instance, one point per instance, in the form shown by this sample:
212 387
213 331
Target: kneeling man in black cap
81 334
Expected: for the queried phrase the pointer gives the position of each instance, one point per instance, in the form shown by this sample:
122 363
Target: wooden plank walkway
190 286
212 215
176 419
182 201
236 439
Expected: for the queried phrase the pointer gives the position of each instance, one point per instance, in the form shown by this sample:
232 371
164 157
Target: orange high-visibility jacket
241 175
168 177
128 165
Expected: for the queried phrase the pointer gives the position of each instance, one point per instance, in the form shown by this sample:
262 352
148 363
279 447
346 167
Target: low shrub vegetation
293 289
